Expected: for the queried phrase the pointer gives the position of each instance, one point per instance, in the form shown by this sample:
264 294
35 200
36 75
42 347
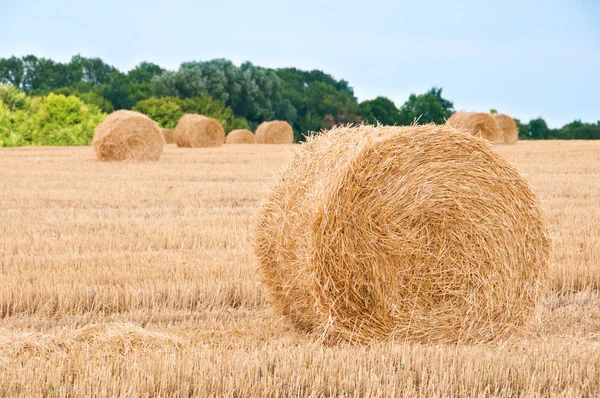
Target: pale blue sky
527 58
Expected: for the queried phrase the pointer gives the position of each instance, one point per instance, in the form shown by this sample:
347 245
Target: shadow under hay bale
508 128
275 132
241 136
419 233
478 124
168 135
197 131
128 135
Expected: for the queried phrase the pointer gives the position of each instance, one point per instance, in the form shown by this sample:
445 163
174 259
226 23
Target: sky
527 58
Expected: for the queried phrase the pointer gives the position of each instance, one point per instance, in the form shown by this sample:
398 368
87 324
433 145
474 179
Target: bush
13 98
167 111
60 120
51 120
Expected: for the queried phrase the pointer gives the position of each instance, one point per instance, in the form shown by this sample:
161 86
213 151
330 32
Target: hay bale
242 136
508 128
169 136
420 233
275 132
478 124
196 131
128 135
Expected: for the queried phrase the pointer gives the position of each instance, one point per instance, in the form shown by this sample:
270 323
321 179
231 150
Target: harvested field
139 279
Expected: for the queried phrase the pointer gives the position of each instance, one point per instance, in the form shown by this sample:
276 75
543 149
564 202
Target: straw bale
197 131
242 136
508 128
169 136
478 124
420 233
275 132
128 135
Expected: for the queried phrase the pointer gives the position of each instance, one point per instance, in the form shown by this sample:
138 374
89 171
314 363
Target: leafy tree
538 129
11 71
318 99
118 91
144 72
430 107
380 110
252 92
493 111
523 130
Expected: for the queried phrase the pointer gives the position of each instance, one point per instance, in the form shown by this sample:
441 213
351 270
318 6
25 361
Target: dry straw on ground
169 136
478 124
421 233
128 135
196 131
274 132
242 136
508 128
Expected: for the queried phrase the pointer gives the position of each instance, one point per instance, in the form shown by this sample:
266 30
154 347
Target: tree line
239 96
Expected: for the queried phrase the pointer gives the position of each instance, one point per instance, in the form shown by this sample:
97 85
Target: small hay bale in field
508 128
196 131
275 132
242 136
128 135
478 124
169 136
420 233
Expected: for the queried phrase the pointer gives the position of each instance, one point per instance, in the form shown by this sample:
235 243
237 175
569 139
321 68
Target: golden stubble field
138 279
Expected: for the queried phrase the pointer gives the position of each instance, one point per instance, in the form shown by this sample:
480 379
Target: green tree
252 92
319 101
430 107
538 129
11 71
523 130
381 110
144 72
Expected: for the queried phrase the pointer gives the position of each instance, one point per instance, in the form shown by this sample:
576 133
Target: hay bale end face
168 135
275 132
508 128
128 135
420 233
197 131
478 124
241 136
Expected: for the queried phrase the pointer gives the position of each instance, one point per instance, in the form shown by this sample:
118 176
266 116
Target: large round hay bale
508 128
241 136
275 132
196 131
478 124
169 136
420 233
128 135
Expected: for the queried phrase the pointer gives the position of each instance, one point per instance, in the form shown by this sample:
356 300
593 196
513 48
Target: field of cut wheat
139 279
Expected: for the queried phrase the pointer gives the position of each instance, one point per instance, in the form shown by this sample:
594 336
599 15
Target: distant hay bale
128 135
169 136
241 136
508 128
420 233
478 124
196 131
275 132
